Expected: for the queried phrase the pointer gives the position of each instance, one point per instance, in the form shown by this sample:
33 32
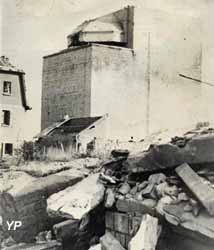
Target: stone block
109 242
109 220
121 223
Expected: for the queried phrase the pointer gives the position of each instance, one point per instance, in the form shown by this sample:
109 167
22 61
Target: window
7 88
8 149
6 117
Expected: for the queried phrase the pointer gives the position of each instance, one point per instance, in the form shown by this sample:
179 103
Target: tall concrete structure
69 81
13 105
132 65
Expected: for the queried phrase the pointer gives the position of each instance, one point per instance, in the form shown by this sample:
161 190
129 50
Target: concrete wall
115 91
66 85
14 133
96 130
167 45
142 91
123 18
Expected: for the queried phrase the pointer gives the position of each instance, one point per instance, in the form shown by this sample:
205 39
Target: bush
56 154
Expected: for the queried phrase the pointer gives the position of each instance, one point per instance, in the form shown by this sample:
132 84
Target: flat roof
86 46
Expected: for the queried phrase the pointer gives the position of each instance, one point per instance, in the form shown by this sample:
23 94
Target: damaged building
129 62
13 105
79 134
122 76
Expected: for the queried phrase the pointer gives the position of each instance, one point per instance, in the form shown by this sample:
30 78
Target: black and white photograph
106 125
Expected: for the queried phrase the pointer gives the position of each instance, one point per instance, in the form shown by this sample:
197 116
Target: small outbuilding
79 133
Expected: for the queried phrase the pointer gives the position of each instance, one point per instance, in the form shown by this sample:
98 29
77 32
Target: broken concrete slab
177 241
108 242
200 227
133 206
80 234
114 163
78 200
16 180
65 230
203 192
41 169
29 205
51 245
45 186
198 150
147 236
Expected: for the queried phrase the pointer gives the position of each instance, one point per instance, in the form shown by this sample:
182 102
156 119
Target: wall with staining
114 90
142 89
66 85
167 45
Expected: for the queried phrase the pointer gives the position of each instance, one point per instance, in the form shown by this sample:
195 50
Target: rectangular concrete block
203 192
132 206
109 220
121 223
122 205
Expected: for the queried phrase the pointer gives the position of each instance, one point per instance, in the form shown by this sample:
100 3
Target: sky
31 29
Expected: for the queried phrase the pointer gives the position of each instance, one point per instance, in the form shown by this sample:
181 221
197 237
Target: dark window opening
6 117
8 150
7 88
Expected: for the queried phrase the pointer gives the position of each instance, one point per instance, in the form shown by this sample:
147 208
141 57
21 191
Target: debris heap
159 199
172 182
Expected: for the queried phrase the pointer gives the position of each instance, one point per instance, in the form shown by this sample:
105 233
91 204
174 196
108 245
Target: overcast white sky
34 28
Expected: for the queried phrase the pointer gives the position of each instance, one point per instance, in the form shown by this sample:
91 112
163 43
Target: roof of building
5 65
7 68
69 125
95 25
86 46
114 28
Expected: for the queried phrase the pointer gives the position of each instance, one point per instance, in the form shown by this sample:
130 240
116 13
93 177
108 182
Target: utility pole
148 86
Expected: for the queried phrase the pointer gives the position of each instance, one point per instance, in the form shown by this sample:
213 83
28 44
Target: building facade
132 65
13 105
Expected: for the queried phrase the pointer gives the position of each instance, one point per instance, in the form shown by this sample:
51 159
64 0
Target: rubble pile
81 210
159 199
55 211
158 189
172 182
